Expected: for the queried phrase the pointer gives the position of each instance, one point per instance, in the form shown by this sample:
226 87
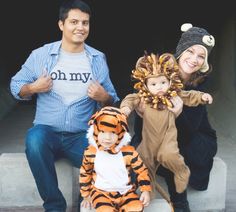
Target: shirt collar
89 50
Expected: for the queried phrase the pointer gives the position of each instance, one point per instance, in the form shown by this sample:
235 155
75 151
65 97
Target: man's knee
35 138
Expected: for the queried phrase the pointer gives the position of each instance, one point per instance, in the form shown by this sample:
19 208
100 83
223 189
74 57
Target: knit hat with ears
195 36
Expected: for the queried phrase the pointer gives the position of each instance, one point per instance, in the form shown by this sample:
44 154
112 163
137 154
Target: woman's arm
178 106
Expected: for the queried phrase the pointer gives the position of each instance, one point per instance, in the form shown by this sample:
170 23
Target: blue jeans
43 147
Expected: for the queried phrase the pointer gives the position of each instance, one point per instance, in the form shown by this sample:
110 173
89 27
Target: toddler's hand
177 106
207 98
87 203
145 198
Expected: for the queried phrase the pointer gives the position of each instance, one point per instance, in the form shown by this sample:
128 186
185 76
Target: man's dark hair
68 5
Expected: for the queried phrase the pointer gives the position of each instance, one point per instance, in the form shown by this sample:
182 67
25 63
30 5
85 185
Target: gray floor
14 126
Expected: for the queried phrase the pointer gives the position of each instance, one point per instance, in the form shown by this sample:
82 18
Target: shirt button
67 122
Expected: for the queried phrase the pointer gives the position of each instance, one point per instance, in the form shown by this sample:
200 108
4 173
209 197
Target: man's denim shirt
50 109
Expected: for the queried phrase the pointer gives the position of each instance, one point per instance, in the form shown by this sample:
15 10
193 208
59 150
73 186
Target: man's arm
104 91
41 85
30 80
98 93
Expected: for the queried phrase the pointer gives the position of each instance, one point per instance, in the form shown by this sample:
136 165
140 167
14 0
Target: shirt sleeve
192 98
104 78
24 76
190 120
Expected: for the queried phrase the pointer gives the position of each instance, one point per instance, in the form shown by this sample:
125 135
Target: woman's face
192 60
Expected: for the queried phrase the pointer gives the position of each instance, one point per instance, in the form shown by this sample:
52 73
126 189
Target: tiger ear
123 121
94 116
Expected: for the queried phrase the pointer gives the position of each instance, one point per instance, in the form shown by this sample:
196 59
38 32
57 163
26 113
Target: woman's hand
140 109
177 106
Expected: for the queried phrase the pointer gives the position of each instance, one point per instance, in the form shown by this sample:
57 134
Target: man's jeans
43 147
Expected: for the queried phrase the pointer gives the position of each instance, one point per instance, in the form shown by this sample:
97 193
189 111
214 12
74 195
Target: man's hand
145 198
98 93
177 106
42 84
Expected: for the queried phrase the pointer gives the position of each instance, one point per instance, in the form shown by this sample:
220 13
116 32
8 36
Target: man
71 81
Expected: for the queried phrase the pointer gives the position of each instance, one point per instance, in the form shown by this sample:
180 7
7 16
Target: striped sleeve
140 169
86 172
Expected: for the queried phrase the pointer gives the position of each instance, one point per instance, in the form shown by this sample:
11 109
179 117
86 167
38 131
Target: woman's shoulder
200 86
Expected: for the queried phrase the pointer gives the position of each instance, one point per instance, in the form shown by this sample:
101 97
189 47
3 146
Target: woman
196 138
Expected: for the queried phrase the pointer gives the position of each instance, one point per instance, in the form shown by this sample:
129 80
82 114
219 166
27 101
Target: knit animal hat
195 36
109 119
152 66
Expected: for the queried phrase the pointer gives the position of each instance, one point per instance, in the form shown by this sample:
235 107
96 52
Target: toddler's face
158 85
107 139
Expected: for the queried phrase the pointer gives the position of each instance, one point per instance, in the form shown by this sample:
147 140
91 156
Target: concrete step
18 189
213 199
159 205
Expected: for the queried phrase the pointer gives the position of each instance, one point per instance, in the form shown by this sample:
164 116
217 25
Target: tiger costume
105 174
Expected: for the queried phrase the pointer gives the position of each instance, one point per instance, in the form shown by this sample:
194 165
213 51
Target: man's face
158 86
75 28
107 139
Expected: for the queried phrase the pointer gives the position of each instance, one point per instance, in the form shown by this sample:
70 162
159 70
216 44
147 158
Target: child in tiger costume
158 81
105 174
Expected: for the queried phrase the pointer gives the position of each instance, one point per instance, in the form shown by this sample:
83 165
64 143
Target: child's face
158 85
107 139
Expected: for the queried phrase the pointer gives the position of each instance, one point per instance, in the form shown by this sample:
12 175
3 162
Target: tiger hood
112 120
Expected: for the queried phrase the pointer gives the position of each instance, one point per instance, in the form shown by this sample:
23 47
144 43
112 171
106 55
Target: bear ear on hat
185 27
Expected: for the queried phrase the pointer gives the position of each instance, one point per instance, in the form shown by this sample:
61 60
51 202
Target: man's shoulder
48 47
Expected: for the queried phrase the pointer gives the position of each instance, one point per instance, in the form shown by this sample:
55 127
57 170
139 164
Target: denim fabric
43 147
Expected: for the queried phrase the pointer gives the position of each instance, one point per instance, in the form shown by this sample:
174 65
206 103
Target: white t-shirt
71 76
